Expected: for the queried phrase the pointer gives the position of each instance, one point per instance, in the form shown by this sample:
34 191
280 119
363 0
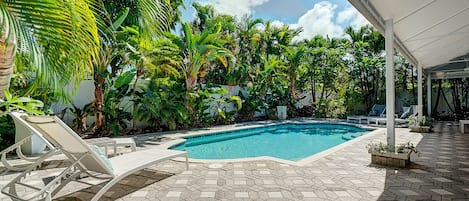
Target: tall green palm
365 48
199 50
295 59
247 51
151 18
58 37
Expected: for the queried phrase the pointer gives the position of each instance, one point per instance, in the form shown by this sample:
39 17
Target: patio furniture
462 123
114 143
104 142
85 159
31 135
407 111
376 111
376 120
359 119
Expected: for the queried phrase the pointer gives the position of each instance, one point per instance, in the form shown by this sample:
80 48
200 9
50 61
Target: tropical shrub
162 104
117 100
251 104
219 106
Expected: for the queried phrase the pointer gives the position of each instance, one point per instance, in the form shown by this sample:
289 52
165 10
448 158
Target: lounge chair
376 111
19 165
85 159
409 111
399 120
19 146
103 142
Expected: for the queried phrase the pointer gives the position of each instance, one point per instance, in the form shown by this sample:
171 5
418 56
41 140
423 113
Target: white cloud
346 15
277 23
351 16
319 20
236 8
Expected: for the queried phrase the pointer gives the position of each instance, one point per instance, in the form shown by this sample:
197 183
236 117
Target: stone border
178 138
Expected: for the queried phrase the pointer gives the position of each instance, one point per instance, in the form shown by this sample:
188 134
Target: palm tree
59 39
151 19
295 58
365 47
199 50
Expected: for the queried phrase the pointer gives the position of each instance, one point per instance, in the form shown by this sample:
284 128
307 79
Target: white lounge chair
104 142
32 137
84 158
376 111
17 147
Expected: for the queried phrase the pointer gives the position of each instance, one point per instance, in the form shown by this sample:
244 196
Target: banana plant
116 113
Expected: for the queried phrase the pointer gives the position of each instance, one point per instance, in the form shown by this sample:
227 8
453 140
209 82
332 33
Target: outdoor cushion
101 155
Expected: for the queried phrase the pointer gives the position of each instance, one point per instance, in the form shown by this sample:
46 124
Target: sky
328 18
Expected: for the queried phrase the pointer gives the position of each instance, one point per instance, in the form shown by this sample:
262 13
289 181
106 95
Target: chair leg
105 188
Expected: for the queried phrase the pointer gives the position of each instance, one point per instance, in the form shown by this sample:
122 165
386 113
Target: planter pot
390 159
282 112
420 129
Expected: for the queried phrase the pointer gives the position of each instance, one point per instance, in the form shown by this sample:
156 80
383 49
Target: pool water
286 141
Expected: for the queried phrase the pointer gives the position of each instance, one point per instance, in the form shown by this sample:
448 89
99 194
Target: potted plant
396 156
423 125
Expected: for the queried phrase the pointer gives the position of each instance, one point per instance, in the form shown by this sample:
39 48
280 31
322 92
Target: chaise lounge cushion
103 156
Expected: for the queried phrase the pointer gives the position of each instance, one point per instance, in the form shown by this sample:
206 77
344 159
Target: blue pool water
286 141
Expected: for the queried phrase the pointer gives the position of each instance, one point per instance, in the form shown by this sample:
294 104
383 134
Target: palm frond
60 38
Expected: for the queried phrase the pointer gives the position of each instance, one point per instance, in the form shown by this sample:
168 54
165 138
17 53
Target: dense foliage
154 70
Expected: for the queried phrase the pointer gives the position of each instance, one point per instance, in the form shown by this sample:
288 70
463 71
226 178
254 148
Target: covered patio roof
431 33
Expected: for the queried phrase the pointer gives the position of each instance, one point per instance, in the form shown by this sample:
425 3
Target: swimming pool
286 141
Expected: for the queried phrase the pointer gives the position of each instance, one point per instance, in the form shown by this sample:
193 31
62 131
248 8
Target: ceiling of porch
433 33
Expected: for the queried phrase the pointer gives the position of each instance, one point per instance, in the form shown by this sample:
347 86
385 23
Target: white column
419 91
429 94
390 90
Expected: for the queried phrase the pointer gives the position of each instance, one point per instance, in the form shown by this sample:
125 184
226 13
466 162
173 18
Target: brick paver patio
440 173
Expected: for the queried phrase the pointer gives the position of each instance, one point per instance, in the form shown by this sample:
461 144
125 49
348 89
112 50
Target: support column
429 94
419 91
390 89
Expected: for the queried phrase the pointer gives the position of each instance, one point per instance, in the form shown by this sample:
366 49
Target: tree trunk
99 101
413 84
291 91
7 60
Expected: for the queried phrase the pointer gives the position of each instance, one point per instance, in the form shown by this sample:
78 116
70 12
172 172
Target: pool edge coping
178 138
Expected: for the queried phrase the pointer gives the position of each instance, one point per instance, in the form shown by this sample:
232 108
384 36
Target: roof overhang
430 33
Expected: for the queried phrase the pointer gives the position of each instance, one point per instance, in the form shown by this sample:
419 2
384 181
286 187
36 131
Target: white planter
390 159
282 112
35 146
